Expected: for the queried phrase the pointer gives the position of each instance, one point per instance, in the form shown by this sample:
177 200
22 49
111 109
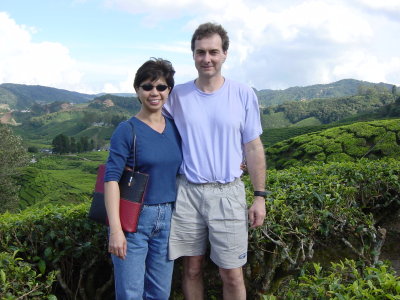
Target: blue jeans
146 272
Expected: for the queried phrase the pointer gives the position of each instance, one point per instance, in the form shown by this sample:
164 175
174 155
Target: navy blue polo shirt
157 154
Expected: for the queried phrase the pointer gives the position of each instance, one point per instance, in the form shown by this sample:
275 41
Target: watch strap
260 193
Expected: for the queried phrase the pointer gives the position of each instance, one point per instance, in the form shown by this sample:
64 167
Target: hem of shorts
230 266
176 256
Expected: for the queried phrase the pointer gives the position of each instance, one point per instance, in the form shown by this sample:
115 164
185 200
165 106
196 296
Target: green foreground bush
343 280
61 239
18 280
315 213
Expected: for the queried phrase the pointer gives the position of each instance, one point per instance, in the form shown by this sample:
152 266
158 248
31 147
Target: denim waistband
160 204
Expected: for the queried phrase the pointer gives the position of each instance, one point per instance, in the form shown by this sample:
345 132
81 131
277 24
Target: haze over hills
43 112
20 96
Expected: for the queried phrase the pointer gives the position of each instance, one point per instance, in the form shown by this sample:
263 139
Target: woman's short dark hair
208 29
154 69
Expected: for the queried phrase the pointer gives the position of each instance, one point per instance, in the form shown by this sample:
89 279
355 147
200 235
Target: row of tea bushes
313 212
374 140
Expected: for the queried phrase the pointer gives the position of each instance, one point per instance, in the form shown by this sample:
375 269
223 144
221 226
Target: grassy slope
41 130
60 179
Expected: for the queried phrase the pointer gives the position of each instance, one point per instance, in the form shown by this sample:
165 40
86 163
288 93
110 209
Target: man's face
208 56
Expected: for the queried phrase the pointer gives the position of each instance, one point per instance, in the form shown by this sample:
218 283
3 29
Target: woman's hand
117 244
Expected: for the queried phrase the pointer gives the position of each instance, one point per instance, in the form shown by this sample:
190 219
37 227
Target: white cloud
387 5
124 86
361 64
293 42
323 20
23 61
274 44
157 10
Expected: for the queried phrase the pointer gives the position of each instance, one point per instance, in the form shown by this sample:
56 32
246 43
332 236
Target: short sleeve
120 149
252 127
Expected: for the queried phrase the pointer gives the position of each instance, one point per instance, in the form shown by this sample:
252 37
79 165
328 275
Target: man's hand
257 212
255 159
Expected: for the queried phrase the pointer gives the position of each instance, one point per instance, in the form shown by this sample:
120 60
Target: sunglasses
148 87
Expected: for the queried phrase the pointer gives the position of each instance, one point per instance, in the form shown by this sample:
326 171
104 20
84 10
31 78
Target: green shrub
343 280
338 157
61 239
332 146
316 210
312 210
20 280
372 140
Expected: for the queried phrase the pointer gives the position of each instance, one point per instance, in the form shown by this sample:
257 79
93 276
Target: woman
141 266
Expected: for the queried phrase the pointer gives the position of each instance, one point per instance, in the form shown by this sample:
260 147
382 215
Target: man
219 122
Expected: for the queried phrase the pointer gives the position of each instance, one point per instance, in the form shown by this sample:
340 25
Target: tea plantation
372 140
317 214
331 195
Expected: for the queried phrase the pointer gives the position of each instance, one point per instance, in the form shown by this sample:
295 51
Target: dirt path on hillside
7 119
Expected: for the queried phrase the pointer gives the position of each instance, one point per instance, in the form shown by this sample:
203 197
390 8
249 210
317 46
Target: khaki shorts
211 212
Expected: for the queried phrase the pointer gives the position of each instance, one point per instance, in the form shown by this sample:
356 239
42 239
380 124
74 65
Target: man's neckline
211 90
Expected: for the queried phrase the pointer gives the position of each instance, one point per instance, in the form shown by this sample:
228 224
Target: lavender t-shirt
214 127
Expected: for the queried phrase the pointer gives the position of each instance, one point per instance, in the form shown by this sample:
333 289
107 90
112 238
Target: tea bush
61 239
376 139
315 213
343 280
18 280
322 212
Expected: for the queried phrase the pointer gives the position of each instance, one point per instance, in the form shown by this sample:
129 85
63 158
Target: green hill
97 118
341 88
115 102
271 136
325 111
21 96
372 140
391 110
96 124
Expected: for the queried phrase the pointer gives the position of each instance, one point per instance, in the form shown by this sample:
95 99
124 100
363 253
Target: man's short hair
207 30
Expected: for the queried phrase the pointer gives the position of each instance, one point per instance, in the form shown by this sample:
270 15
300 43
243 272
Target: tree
92 145
73 146
84 140
89 118
61 144
13 157
33 149
79 146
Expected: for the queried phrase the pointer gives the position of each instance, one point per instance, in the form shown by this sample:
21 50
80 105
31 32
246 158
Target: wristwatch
260 193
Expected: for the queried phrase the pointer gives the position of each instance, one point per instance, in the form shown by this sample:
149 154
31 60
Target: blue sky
94 46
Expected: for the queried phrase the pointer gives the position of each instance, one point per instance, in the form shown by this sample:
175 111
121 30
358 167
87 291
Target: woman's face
153 94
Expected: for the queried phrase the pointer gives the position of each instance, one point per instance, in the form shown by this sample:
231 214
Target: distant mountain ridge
21 96
96 118
341 88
